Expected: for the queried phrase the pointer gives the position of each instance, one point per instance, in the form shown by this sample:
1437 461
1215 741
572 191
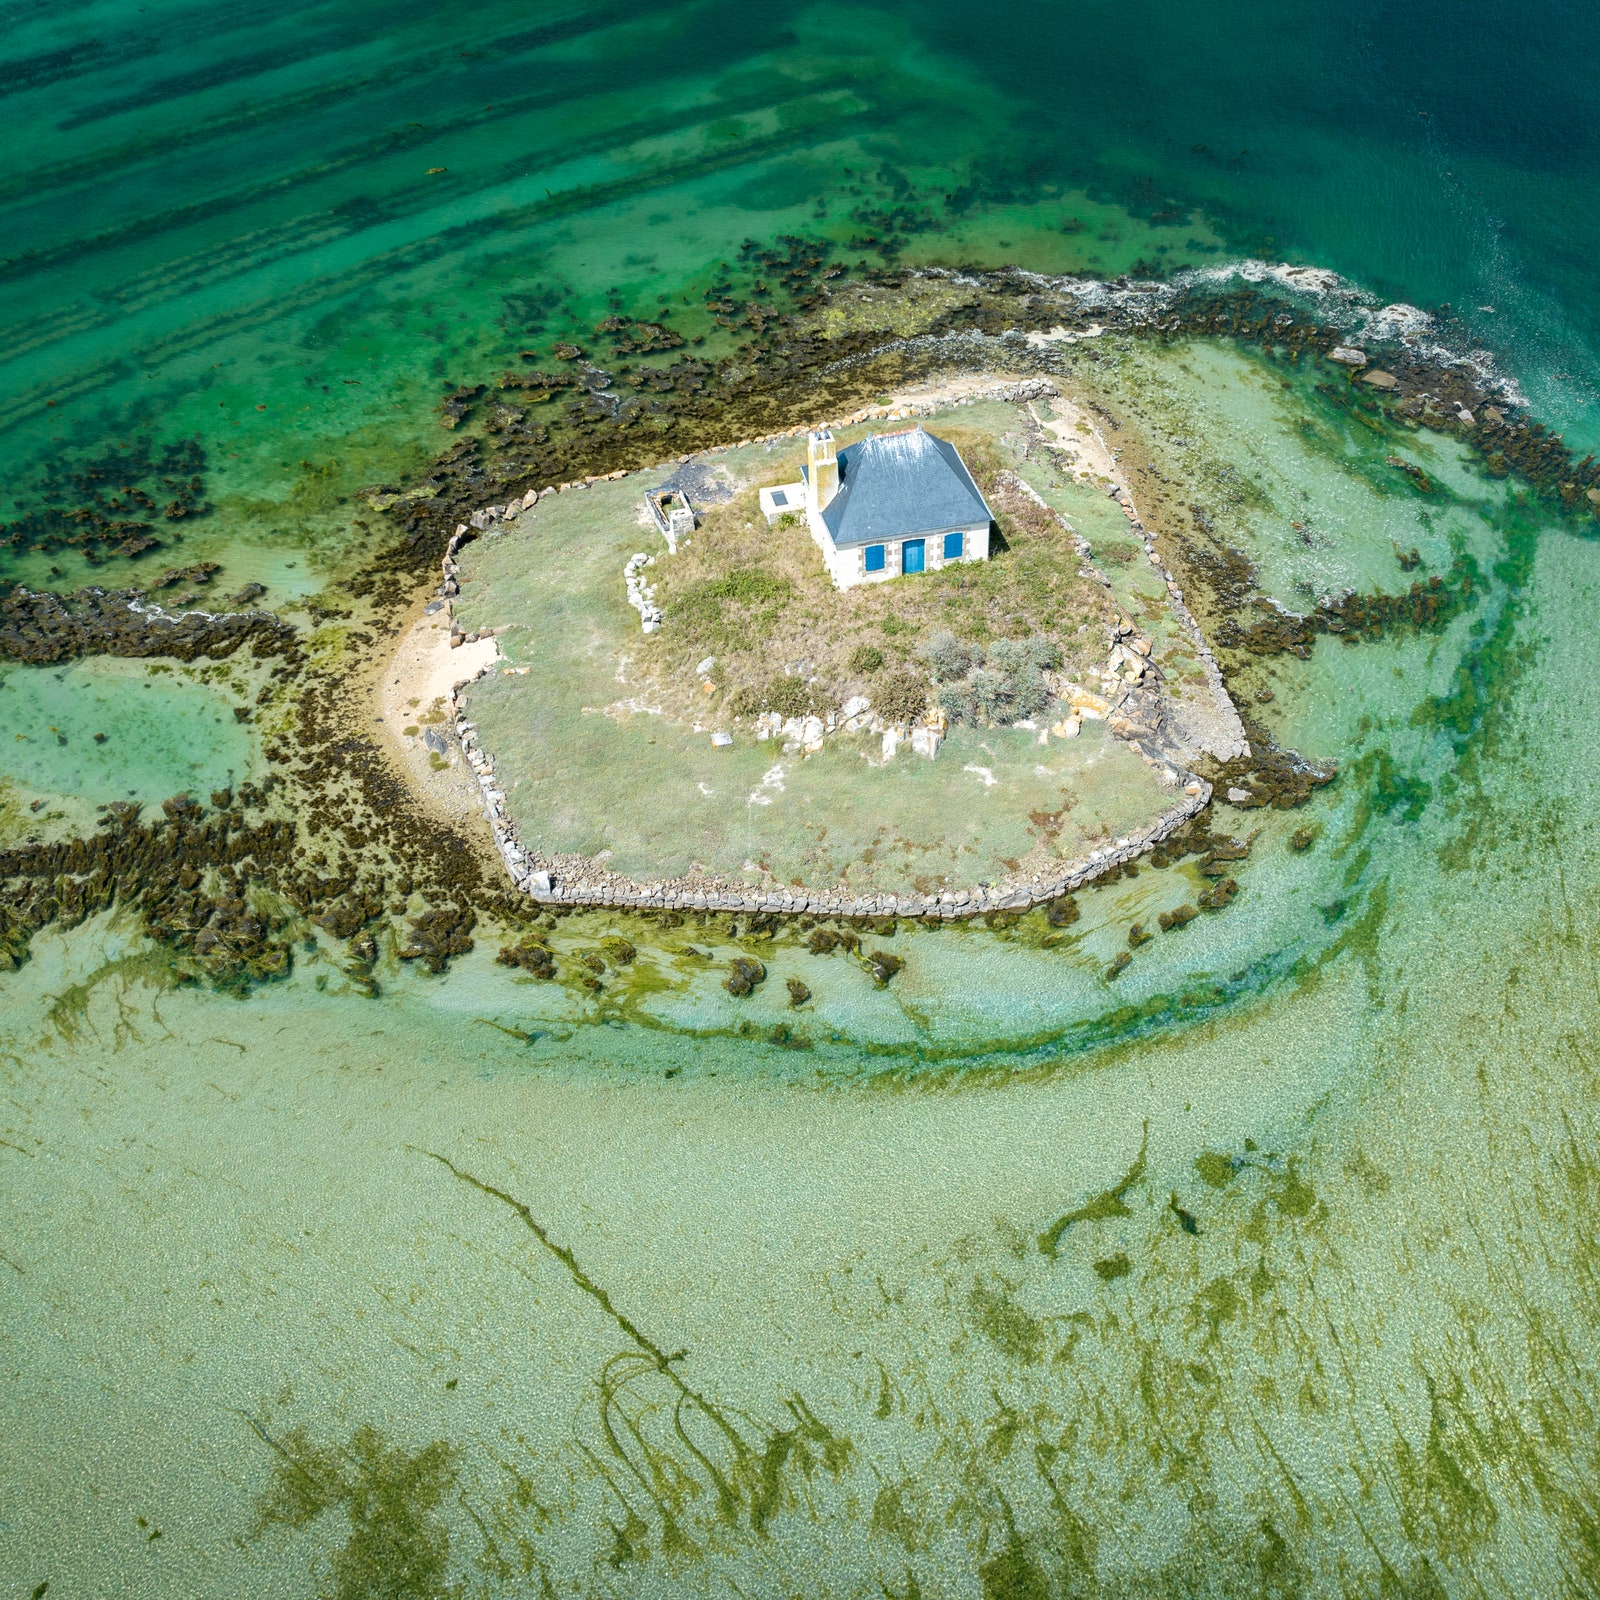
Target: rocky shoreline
361 854
40 627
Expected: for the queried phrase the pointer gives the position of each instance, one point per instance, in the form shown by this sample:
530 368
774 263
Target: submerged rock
744 974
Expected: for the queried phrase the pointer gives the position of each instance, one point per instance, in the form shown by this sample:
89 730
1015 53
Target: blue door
912 553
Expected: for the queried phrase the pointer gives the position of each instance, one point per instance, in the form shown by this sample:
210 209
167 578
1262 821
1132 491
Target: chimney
822 476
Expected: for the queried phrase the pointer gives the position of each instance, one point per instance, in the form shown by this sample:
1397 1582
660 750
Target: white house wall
847 567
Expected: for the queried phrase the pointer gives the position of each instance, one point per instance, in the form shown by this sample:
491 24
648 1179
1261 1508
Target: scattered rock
438 935
531 956
1062 913
883 965
744 974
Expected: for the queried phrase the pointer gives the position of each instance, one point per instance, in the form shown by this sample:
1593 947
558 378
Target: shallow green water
1269 1269
104 729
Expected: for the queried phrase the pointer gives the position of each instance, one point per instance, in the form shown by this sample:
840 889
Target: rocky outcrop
42 627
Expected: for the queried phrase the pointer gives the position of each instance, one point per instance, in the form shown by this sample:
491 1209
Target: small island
970 687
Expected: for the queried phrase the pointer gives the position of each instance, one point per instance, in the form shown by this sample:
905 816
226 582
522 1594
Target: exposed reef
107 505
40 626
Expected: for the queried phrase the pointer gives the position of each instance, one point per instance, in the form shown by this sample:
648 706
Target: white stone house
895 503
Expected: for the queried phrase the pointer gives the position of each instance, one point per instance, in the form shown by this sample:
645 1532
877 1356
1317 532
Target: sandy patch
414 697
1080 442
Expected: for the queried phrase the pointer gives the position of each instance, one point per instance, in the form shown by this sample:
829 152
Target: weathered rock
744 973
39 626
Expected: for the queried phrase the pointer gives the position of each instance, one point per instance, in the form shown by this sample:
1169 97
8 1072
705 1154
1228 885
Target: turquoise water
1268 1269
227 227
102 730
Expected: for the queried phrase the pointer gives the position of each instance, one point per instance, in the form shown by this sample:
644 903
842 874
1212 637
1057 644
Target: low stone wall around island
575 881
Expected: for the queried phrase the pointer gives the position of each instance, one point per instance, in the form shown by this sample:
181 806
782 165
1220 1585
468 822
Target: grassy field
604 744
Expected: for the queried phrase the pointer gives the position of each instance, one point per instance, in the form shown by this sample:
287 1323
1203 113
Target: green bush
949 658
789 696
901 697
1023 655
955 700
865 659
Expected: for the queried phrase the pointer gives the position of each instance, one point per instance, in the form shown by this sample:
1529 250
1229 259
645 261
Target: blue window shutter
954 546
874 555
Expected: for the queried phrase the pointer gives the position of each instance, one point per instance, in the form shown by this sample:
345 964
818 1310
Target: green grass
605 744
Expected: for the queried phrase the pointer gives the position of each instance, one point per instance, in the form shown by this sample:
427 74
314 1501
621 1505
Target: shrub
865 659
789 696
948 657
1029 696
1008 656
1024 655
993 694
901 697
743 702
955 700
1010 687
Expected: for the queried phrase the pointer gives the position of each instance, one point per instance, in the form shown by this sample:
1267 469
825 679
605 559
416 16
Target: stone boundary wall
1233 744
575 881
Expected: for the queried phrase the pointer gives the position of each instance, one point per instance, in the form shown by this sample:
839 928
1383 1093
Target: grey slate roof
899 485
